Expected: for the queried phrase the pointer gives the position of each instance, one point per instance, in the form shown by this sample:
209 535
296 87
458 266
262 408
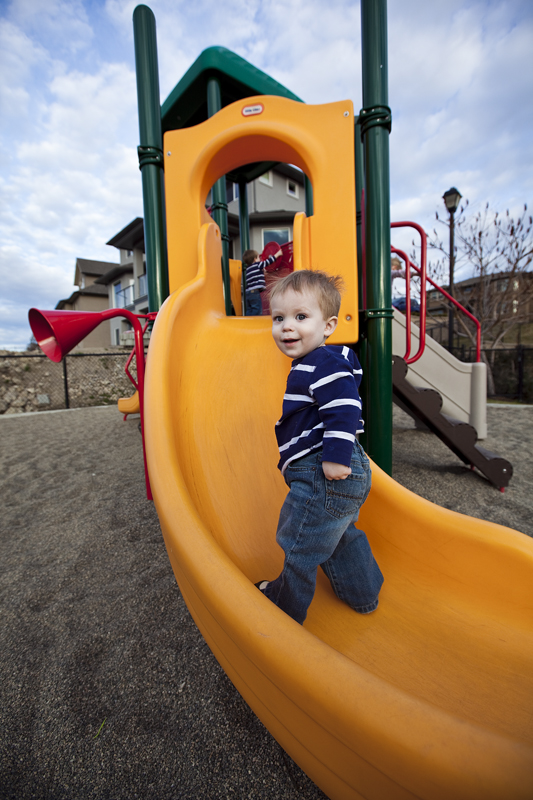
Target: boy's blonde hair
326 288
249 256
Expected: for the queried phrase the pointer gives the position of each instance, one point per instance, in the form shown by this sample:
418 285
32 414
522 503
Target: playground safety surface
107 689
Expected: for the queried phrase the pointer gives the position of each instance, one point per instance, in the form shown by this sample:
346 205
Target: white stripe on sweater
339 435
342 401
329 379
299 455
301 436
298 397
304 368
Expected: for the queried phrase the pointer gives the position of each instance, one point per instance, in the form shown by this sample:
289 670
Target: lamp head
452 199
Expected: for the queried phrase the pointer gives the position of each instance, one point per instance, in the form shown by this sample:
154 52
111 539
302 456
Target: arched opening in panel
259 206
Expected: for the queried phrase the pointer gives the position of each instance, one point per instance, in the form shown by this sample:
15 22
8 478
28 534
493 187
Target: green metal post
308 197
362 349
219 205
244 229
359 186
150 153
375 121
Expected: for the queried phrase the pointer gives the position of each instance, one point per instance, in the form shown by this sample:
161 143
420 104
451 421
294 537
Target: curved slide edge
129 405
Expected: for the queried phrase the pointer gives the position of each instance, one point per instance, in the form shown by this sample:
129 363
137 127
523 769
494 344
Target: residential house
90 295
126 284
273 200
498 295
469 293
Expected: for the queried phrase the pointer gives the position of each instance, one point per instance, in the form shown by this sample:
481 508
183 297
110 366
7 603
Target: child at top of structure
255 279
324 466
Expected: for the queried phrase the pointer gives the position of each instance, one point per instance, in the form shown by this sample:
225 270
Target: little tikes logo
252 111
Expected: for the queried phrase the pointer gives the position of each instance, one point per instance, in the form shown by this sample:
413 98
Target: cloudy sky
460 89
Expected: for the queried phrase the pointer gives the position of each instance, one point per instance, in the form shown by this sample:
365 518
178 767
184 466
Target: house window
267 178
129 253
143 285
117 336
279 235
293 190
232 191
116 295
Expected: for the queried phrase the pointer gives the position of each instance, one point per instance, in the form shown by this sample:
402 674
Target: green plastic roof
186 105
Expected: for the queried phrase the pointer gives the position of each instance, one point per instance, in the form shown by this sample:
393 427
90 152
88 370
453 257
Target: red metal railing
424 279
423 300
149 319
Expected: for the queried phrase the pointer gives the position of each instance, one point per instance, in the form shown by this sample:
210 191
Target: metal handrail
150 317
461 308
423 261
407 263
424 278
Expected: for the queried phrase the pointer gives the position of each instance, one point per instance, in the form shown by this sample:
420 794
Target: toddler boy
325 467
255 279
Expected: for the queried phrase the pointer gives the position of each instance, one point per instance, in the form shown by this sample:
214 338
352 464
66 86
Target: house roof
85 266
131 237
290 172
474 280
93 291
116 272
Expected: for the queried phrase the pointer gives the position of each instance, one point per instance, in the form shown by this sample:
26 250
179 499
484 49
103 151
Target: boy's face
298 325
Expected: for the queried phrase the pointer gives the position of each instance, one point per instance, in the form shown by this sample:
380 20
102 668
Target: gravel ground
423 464
107 689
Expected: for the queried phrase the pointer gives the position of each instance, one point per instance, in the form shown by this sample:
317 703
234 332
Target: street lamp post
451 200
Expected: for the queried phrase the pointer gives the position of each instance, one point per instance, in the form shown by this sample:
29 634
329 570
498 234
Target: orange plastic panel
318 139
129 405
430 696
235 277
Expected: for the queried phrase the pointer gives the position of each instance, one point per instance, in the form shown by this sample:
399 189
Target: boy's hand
335 472
279 253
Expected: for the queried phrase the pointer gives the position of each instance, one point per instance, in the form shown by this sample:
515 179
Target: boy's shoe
261 585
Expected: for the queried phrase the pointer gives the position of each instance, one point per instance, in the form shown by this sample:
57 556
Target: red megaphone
57 332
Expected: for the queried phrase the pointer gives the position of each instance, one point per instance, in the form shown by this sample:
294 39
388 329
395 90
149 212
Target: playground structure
430 696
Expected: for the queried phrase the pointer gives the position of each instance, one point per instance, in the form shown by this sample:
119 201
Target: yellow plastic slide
429 697
129 405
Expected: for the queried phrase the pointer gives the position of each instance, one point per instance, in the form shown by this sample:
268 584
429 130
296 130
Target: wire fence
512 370
31 382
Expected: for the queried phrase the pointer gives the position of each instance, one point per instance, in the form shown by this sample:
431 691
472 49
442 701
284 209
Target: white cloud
70 176
459 89
459 82
63 24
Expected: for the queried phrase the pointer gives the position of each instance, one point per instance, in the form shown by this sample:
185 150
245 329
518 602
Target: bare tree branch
497 250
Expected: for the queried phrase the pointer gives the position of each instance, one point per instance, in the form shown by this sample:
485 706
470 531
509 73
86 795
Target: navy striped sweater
255 274
321 406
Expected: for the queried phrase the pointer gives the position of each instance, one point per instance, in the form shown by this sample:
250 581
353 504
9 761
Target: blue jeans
253 304
316 528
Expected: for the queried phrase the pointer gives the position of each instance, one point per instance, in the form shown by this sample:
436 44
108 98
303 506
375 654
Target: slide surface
129 405
429 697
